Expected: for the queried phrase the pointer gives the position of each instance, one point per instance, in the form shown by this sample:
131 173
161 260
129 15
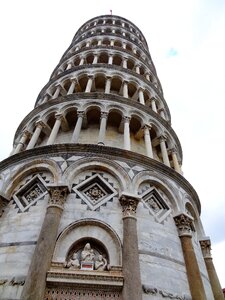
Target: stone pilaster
184 225
214 280
35 283
132 289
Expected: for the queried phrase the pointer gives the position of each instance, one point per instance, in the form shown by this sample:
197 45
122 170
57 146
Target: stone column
55 129
34 287
26 134
110 60
35 136
95 60
99 43
69 66
125 89
81 61
162 114
147 76
89 84
213 278
126 133
112 43
72 87
76 132
125 63
102 130
148 143
108 85
153 105
175 160
165 157
185 227
132 288
137 69
141 96
57 91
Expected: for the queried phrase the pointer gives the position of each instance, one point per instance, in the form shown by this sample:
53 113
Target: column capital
126 119
129 204
184 224
147 126
162 138
59 116
104 114
40 123
80 114
58 195
206 247
26 133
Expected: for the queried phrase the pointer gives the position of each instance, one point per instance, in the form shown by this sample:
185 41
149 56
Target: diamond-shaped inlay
156 205
30 193
95 191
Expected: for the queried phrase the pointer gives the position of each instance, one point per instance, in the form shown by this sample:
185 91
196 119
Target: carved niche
87 255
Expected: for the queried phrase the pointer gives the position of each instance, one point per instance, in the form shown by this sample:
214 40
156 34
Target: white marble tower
93 201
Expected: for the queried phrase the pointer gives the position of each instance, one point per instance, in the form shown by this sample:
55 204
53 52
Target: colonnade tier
101 78
116 22
115 41
102 54
110 124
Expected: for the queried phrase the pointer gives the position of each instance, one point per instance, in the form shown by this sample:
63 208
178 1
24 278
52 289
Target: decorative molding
156 205
184 224
165 294
33 190
94 190
129 204
105 152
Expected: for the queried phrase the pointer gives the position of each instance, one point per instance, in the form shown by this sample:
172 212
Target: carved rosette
206 248
58 195
129 205
184 224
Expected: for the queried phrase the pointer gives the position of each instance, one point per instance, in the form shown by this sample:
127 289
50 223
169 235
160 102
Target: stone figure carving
87 254
100 263
87 259
73 262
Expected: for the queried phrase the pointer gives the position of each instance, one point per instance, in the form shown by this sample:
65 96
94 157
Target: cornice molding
106 152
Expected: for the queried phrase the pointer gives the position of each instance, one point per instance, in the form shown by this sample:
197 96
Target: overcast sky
186 40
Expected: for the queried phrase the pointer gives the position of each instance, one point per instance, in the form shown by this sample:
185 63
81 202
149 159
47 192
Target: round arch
33 167
84 229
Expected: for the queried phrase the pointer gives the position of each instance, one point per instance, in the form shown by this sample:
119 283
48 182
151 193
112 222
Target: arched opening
100 83
114 137
116 84
136 134
76 61
103 58
131 90
94 43
117 60
82 83
130 64
118 44
89 58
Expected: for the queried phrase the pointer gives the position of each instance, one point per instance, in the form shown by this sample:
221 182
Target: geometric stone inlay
30 193
95 191
156 205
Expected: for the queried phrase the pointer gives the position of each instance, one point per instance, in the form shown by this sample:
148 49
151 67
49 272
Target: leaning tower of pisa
93 201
